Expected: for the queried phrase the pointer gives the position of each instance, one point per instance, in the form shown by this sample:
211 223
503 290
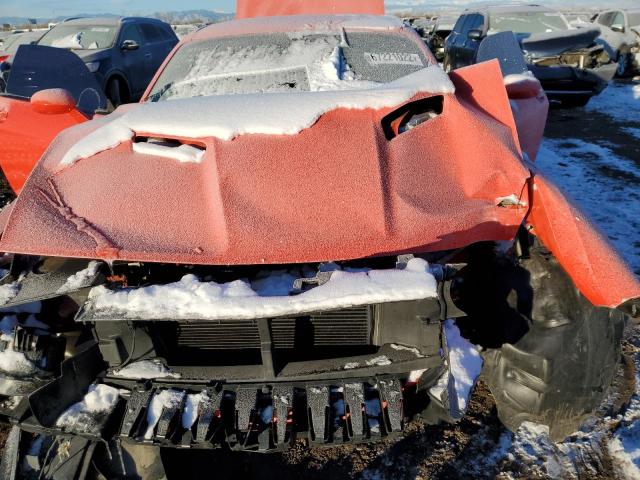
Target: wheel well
125 91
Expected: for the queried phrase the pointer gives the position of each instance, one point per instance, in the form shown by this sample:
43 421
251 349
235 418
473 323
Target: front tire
624 65
559 372
115 89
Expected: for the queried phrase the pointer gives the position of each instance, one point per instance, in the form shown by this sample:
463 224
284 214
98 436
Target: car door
157 49
469 47
134 59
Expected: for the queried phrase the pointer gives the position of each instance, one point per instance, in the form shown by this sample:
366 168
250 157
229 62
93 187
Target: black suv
569 63
122 52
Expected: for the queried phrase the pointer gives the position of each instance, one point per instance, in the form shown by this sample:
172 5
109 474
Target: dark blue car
122 52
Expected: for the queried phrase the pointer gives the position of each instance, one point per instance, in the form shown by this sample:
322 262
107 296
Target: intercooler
338 328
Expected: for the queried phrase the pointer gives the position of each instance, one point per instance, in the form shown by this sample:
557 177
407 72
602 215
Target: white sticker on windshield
99 29
393 58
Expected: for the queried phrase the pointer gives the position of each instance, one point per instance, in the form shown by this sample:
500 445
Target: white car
620 29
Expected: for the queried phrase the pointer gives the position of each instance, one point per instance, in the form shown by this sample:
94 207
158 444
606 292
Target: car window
80 37
459 24
476 22
618 20
288 63
605 19
528 22
167 34
131 32
151 33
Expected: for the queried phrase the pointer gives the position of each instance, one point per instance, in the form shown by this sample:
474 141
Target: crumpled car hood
555 43
337 190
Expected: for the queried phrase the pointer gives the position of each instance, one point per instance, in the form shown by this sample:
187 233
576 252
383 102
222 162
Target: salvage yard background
593 153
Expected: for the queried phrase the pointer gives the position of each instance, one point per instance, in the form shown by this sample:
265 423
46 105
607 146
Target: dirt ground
465 450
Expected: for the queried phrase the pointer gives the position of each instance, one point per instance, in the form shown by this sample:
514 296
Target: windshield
528 22
287 63
634 19
80 37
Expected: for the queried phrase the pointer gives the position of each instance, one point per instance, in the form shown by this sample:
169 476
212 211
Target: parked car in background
122 52
11 43
569 63
620 32
441 29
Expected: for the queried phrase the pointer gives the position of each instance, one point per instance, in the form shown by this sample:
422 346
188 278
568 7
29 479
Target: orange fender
593 265
265 8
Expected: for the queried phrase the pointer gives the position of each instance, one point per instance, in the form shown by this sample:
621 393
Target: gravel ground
594 155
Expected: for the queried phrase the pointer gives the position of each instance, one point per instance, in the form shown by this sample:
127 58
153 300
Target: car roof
107 21
298 23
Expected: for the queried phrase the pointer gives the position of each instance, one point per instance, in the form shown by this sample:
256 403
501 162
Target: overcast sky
54 8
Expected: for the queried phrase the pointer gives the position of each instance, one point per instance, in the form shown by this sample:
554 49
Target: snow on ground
619 100
192 299
86 415
624 447
603 185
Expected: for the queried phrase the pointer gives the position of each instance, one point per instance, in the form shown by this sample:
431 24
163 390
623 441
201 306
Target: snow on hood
191 299
226 117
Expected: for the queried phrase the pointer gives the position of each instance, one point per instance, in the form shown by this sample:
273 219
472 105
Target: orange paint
262 8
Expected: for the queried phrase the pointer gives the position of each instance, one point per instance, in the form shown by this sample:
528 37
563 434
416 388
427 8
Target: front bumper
562 81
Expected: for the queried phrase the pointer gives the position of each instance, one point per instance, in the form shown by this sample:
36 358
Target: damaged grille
326 329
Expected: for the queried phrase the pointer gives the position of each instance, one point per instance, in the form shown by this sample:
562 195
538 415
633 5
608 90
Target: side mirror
475 35
52 101
617 28
129 45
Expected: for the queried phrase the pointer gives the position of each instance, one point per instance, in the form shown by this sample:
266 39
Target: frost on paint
228 116
87 415
80 279
146 369
191 299
464 366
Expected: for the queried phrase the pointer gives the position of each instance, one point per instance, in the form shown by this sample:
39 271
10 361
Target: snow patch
228 116
191 299
514 78
413 350
164 399
465 364
145 369
192 404
379 361
8 291
80 279
12 362
183 153
86 415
